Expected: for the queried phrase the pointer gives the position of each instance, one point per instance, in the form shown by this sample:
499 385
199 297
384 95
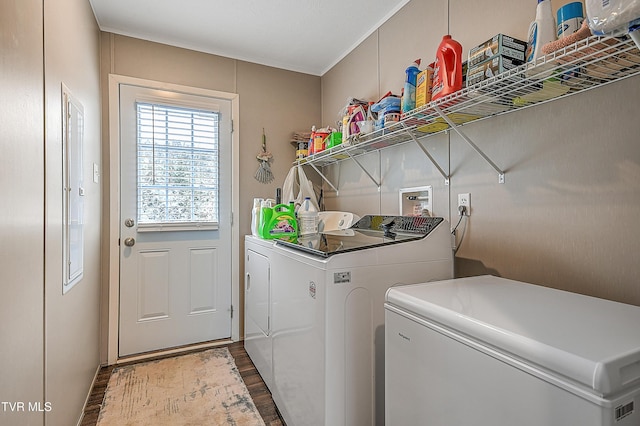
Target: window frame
178 225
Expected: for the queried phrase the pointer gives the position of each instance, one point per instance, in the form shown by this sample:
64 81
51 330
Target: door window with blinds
177 167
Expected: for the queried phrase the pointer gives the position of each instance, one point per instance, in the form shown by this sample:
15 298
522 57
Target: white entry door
175 231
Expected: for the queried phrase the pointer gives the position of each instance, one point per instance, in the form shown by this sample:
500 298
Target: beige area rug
197 389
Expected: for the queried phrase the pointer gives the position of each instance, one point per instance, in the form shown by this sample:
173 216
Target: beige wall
49 341
21 208
566 216
279 101
71 320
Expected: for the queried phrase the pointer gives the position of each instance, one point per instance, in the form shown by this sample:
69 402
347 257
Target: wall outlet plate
464 200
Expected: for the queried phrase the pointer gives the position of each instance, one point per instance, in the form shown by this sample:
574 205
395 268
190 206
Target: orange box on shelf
423 87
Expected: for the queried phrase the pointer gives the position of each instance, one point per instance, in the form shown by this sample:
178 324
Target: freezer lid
593 341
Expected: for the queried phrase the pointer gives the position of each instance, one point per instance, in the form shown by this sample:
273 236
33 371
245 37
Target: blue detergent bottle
409 95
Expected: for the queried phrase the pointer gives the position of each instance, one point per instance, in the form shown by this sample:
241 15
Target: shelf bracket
323 176
433 160
364 170
456 129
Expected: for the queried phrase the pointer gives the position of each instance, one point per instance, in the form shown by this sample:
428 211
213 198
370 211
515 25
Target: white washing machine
326 317
487 351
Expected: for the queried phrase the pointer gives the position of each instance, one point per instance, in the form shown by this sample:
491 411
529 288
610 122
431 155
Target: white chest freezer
487 351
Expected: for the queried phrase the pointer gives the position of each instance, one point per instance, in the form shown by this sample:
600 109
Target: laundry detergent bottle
447 73
541 31
280 222
409 90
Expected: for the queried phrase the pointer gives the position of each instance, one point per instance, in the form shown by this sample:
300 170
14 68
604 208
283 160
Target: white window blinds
177 166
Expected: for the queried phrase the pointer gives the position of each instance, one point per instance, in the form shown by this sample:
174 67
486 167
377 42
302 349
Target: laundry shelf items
587 64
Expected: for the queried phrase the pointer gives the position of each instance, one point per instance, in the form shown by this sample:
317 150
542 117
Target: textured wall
566 216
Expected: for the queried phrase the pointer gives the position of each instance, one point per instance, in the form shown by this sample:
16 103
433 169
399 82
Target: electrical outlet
464 200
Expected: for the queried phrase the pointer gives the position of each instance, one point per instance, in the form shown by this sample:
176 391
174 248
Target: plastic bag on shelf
613 17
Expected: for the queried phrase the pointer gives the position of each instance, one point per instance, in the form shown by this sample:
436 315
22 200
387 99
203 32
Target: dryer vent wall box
491 351
416 201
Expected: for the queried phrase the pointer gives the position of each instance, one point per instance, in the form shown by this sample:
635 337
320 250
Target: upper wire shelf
587 64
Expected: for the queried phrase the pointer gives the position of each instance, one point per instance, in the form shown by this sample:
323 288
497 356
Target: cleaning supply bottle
280 222
541 31
409 94
266 211
308 218
569 19
311 147
357 113
255 216
447 72
345 126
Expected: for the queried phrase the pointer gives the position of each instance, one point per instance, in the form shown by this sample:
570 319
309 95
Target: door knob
129 223
129 242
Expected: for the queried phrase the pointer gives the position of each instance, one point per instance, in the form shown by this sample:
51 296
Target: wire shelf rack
587 64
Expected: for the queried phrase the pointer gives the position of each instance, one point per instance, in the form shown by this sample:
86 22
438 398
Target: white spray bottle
541 31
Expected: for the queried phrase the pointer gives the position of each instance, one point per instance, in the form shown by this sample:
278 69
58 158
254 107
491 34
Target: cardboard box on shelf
423 87
487 69
499 44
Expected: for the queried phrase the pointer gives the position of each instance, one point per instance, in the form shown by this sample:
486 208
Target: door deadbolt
129 223
129 242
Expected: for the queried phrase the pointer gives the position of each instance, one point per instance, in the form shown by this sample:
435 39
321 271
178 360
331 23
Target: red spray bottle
447 74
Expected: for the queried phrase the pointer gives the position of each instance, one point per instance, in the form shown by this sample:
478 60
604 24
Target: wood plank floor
257 389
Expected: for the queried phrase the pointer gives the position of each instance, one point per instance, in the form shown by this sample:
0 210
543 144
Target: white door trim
111 316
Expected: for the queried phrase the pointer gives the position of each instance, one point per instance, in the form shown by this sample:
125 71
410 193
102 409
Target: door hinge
231 311
232 129
231 218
